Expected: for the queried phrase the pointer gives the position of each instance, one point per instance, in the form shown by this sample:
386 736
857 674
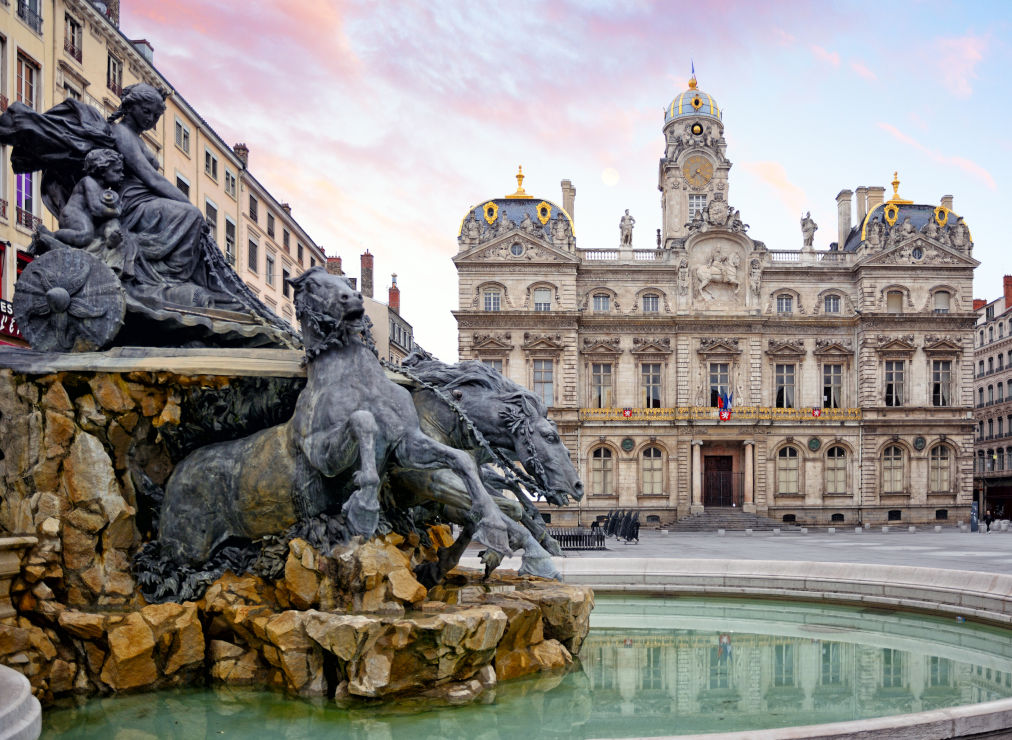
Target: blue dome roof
692 102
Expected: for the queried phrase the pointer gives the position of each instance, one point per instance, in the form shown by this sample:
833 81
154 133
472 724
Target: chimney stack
569 199
1008 292
334 266
367 274
394 299
978 303
843 217
287 208
862 204
111 11
242 152
876 197
947 202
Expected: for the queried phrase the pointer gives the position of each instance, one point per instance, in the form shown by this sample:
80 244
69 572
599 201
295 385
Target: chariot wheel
69 301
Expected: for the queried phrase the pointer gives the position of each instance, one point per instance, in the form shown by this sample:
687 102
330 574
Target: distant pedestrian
988 518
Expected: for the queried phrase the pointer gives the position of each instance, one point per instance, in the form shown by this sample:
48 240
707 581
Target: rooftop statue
113 204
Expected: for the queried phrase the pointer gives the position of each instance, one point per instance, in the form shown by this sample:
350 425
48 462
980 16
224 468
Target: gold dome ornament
544 212
520 193
491 212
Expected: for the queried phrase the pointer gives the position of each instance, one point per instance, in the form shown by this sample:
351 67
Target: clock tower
693 170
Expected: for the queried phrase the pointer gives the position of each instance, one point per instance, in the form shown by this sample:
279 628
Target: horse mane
321 330
475 374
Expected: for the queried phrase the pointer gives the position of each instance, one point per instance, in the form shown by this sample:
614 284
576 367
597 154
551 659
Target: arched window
894 301
999 458
981 337
939 469
990 394
651 303
787 470
602 477
990 334
836 470
1001 329
980 366
836 518
942 301
652 466
892 469
999 396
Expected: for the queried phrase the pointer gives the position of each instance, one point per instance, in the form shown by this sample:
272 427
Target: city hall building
709 369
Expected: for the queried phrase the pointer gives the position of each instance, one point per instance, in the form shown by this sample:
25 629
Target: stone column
697 477
748 504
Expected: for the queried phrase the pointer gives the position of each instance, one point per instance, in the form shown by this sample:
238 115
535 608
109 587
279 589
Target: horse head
329 309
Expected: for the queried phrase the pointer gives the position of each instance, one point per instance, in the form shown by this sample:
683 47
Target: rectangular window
697 203
720 665
894 382
832 386
72 38
251 255
183 185
71 92
230 187
494 364
114 75
939 671
653 669
542 299
210 165
30 11
182 136
942 303
230 240
298 252
211 216
651 303
831 673
286 289
602 302
892 668
832 304
25 196
720 381
254 207
312 262
543 381
28 79
784 380
650 381
600 385
783 665
941 382
785 304
492 300
269 268
270 225
285 238
894 301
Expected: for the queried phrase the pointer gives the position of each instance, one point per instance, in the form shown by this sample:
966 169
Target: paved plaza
950 548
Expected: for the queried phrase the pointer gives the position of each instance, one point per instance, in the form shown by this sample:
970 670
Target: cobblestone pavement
949 548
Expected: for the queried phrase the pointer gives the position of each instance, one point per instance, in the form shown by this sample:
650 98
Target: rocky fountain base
352 624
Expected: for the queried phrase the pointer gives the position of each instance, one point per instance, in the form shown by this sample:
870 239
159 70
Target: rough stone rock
188 641
441 535
161 617
151 400
88 415
61 676
286 631
78 549
525 625
404 586
551 655
111 392
377 559
130 663
302 582
89 476
565 611
222 650
12 639
344 635
170 414
56 399
238 672
87 521
83 625
59 433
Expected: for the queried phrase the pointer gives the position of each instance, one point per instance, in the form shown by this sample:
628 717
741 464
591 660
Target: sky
383 123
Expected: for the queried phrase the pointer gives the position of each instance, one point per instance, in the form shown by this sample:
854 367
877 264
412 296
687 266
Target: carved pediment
918 250
516 247
786 347
718 346
833 347
942 345
601 345
651 346
491 342
550 342
884 344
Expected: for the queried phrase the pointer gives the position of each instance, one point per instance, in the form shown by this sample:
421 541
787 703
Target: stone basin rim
906 587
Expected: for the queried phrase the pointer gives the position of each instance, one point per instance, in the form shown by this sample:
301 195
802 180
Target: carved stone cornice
548 342
601 346
786 347
891 345
718 346
651 346
938 344
500 342
838 347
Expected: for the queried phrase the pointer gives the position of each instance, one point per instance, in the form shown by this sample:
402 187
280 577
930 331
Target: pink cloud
774 175
971 168
863 71
831 58
957 59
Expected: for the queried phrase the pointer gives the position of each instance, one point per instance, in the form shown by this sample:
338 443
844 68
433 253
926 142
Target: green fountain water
650 667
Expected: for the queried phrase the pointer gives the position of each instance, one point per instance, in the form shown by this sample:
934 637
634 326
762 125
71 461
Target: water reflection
649 667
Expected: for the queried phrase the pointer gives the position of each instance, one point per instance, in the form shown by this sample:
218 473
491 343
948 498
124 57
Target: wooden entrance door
718 480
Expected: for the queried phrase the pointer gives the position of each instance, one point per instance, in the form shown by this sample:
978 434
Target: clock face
697 170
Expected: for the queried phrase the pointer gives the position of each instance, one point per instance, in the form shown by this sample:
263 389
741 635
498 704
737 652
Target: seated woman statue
163 253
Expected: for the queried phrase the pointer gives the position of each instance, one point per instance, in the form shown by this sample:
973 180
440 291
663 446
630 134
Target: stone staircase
731 519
